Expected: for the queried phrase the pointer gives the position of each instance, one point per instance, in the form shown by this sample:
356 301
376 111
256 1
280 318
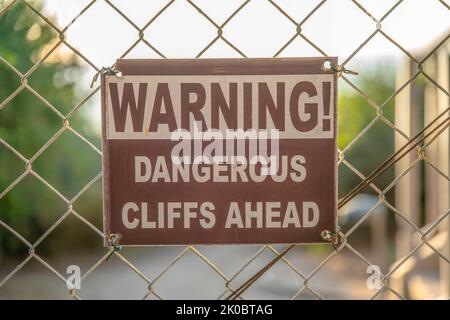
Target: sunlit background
375 108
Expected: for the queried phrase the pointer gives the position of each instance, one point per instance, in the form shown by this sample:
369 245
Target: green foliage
27 123
355 114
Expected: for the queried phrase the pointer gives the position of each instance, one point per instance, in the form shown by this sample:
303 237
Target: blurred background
50 138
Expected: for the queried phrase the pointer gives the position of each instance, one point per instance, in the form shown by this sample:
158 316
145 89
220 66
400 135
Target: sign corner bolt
113 240
335 238
339 69
104 70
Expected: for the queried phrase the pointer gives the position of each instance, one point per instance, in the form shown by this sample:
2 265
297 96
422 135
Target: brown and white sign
219 151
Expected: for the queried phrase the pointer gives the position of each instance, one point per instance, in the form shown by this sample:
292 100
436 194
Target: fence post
430 112
407 199
379 243
443 187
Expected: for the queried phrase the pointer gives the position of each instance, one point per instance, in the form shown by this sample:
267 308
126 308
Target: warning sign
219 151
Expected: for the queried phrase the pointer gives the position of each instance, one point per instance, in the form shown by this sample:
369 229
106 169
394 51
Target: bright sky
338 27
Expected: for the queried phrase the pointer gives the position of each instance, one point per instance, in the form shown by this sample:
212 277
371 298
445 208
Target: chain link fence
413 243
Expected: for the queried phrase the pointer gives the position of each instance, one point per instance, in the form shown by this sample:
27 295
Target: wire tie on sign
335 238
341 69
103 70
114 240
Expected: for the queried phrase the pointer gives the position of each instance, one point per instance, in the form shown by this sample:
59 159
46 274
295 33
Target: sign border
222 66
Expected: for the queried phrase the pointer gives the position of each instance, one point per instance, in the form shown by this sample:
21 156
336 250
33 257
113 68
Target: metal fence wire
236 283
